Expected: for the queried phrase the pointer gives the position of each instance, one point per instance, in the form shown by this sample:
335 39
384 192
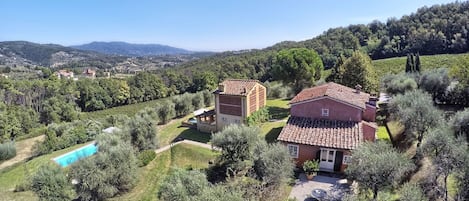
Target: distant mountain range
129 49
96 54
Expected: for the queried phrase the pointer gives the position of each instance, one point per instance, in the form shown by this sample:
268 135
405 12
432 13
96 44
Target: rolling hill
22 53
129 49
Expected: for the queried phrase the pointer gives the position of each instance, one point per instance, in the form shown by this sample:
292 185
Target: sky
201 25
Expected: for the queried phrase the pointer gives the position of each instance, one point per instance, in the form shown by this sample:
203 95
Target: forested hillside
439 29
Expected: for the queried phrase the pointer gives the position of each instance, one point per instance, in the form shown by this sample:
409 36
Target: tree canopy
299 67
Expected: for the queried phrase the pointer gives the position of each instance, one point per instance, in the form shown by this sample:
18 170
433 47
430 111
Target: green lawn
173 130
383 134
18 174
152 176
279 111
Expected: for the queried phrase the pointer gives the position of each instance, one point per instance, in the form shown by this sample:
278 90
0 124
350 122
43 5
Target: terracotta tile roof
336 91
321 132
237 87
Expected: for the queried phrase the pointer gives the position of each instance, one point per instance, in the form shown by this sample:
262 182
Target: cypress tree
408 64
417 63
412 63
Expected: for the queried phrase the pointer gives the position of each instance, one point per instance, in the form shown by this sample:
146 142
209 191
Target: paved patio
335 187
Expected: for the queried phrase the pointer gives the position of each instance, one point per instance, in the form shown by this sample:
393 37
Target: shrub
310 167
7 150
146 157
260 116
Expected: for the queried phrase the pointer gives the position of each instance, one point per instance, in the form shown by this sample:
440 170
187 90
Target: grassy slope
397 65
152 176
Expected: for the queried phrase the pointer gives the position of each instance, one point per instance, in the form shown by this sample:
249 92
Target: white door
326 161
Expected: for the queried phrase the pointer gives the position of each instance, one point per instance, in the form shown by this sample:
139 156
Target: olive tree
435 82
376 166
166 111
183 185
447 154
415 110
460 124
142 133
183 105
208 98
51 184
398 84
238 144
273 164
411 192
111 171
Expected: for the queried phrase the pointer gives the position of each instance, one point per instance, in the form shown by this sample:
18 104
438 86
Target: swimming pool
77 154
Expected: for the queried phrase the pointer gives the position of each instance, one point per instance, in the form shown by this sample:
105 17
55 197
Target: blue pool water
71 157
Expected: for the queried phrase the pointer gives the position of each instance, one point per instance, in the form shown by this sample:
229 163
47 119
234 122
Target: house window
347 159
324 112
293 150
237 121
223 119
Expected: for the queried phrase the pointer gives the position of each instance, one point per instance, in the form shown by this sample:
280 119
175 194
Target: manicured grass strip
383 134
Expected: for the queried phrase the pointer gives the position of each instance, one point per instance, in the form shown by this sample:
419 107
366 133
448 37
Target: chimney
358 88
221 87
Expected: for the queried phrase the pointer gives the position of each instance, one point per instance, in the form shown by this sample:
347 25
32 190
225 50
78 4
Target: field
397 64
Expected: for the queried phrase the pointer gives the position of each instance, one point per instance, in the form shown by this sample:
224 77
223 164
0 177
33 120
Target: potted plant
311 167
